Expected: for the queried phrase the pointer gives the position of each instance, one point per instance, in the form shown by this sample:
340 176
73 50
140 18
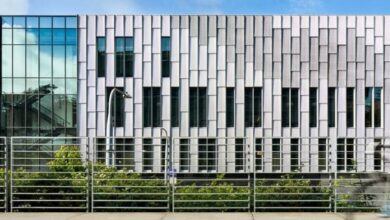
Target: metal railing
49 174
213 184
136 179
3 174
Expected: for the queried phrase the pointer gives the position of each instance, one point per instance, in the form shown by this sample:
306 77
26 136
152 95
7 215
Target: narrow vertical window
198 107
240 154
184 156
276 155
331 107
322 154
101 56
253 107
165 56
294 149
313 107
163 154
147 155
175 107
259 154
230 107
207 155
350 107
378 154
290 106
373 107
124 56
118 107
152 106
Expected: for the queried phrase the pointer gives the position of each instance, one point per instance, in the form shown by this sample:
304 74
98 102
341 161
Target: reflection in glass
71 36
6 36
19 85
19 61
59 36
45 22
377 106
32 22
71 86
32 85
58 22
45 64
45 36
32 36
6 22
32 60
71 22
7 85
19 22
59 84
6 62
58 61
19 36
71 61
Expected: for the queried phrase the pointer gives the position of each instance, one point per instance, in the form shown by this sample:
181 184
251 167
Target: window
152 107
124 56
124 153
163 154
240 154
295 154
198 107
345 154
101 56
290 111
373 107
184 156
313 107
230 107
175 107
207 155
276 155
331 107
147 155
350 107
118 107
378 154
165 56
252 107
322 154
259 154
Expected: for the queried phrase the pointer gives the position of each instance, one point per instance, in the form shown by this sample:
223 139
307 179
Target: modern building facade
302 90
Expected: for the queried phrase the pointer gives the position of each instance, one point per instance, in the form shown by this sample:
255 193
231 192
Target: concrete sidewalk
183 216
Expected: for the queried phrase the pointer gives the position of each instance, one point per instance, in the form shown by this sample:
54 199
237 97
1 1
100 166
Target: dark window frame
198 107
253 107
152 106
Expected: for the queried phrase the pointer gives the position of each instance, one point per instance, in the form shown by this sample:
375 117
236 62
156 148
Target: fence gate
210 174
129 174
292 174
49 173
3 174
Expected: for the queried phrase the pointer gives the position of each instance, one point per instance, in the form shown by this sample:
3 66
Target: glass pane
71 86
377 106
119 52
19 61
248 107
45 22
156 107
202 107
257 107
45 111
350 107
59 85
7 85
331 107
45 64
19 85
32 85
313 107
294 149
32 36
71 36
147 105
32 22
294 108
58 61
71 22
45 85
6 36
6 62
19 22
368 107
165 44
193 107
59 36
59 110
6 22
175 112
58 22
32 60
276 154
19 36
230 107
71 111
101 53
285 107
71 61
45 36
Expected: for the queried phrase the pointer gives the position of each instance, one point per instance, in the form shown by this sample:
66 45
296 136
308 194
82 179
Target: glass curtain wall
39 76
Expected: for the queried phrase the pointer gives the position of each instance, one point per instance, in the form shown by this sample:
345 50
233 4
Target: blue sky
55 7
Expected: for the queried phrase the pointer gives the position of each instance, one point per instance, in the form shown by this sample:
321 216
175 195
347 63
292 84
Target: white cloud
305 6
13 7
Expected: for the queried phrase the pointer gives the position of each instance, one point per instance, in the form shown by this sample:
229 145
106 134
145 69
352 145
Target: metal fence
48 174
129 174
193 174
3 174
206 177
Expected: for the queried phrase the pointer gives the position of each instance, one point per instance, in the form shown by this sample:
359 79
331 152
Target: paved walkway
182 216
